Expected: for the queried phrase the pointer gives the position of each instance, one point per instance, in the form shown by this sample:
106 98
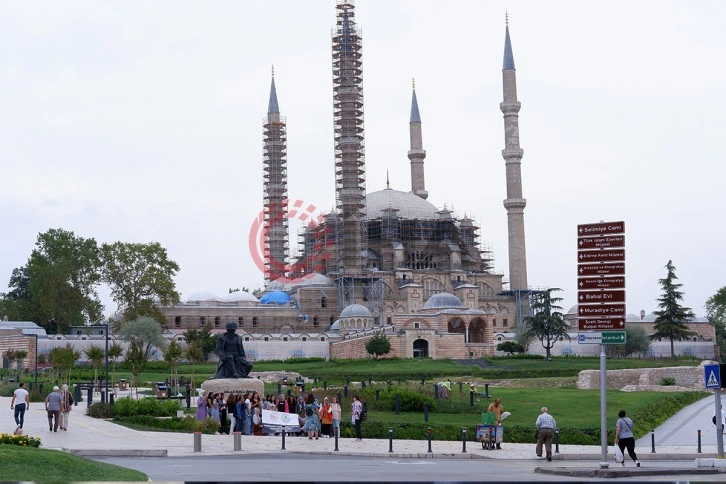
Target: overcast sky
141 121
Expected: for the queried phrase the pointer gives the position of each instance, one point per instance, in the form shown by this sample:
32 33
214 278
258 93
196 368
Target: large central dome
407 204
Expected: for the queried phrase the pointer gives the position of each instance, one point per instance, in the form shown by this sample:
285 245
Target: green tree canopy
671 320
140 276
62 359
143 335
716 314
510 347
378 345
636 341
96 355
204 337
547 322
57 283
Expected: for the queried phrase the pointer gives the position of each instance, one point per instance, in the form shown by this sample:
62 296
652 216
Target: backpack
364 416
70 398
714 420
308 411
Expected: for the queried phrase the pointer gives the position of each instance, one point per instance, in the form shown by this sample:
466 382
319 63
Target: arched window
254 321
216 321
323 302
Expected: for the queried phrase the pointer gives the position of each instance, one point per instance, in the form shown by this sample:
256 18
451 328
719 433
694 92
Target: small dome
276 297
202 296
355 311
573 310
239 296
443 300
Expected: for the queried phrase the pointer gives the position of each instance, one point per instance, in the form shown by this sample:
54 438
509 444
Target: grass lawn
42 465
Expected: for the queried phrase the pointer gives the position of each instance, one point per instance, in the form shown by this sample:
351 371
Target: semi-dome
239 296
443 300
202 296
312 279
407 205
355 311
276 297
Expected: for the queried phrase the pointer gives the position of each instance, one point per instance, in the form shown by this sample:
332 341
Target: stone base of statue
234 385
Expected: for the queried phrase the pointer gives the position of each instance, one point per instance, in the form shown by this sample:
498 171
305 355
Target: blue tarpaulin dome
276 297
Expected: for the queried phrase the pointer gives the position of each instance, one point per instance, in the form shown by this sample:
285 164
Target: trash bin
161 389
122 384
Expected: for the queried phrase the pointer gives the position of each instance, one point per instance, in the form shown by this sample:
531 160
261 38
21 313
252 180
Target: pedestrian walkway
94 437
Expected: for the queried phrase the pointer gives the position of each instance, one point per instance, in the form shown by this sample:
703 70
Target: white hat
55 388
65 387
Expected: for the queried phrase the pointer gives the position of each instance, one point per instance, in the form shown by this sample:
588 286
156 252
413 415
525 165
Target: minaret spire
275 190
417 153
512 154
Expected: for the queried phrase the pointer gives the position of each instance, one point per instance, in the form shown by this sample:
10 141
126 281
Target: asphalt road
328 468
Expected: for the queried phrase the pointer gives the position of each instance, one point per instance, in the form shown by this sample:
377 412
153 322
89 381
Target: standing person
326 418
201 407
66 407
356 411
497 409
545 431
291 404
312 417
21 396
248 413
53 407
222 405
282 405
231 412
335 407
239 413
624 437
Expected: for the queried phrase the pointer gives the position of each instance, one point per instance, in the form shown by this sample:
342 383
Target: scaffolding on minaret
274 166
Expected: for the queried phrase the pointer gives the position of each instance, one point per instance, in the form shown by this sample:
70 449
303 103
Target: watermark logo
307 213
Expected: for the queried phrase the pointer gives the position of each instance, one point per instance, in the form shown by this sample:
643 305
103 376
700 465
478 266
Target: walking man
53 407
545 431
23 403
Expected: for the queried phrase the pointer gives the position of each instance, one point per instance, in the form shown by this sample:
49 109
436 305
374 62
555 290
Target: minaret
350 192
274 165
512 153
417 153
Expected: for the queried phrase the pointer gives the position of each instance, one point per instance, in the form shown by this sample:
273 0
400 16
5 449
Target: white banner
271 417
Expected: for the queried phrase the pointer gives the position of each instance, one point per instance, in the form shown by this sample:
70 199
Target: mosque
387 260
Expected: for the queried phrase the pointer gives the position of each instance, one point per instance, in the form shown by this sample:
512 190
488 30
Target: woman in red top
326 418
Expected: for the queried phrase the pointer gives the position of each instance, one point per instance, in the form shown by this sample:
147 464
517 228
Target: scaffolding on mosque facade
275 226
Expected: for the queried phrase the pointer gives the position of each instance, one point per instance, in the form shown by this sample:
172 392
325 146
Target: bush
173 424
126 407
668 381
21 440
409 400
100 410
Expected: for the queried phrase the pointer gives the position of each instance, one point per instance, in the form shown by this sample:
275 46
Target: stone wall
13 340
686 378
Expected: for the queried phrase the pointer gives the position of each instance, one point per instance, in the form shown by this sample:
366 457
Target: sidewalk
93 437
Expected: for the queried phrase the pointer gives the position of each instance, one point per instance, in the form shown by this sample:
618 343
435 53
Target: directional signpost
601 298
713 380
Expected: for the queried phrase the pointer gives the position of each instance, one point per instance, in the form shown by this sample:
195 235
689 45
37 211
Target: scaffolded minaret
417 153
350 192
275 190
512 153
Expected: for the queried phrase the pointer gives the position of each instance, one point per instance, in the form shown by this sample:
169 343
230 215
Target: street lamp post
36 359
108 399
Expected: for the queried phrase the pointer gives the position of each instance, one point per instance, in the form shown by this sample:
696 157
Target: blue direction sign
712 376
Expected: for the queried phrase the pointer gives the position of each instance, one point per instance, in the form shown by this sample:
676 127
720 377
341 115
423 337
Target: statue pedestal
234 385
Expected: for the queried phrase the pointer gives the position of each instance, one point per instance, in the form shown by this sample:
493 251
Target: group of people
58 406
243 412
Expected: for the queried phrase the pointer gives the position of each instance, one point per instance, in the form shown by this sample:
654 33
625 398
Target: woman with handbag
624 437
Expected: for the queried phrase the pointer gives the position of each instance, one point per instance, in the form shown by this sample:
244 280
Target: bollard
340 398
436 391
279 388
652 441
76 393
471 399
90 397
557 441
461 388
347 380
422 382
103 396
363 384
336 431
325 385
378 395
398 403
390 439
197 441
426 413
486 391
369 379
111 398
283 437
237 440
699 441
429 432
463 440
345 390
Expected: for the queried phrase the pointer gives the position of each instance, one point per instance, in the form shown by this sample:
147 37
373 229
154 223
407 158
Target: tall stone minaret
275 190
512 153
417 153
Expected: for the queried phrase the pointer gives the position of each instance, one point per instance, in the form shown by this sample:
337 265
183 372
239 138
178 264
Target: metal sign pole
719 423
603 410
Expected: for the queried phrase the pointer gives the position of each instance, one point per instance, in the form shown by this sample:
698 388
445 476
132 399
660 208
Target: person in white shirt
23 403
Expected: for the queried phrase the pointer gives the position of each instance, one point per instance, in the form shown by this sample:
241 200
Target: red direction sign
607 255
616 269
585 297
600 324
603 228
601 310
604 242
617 282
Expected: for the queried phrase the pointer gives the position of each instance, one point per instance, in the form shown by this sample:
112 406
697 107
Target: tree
172 355
510 347
636 341
140 277
143 335
96 355
194 354
378 345
115 351
672 319
57 283
10 355
716 314
20 356
207 341
547 323
62 359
